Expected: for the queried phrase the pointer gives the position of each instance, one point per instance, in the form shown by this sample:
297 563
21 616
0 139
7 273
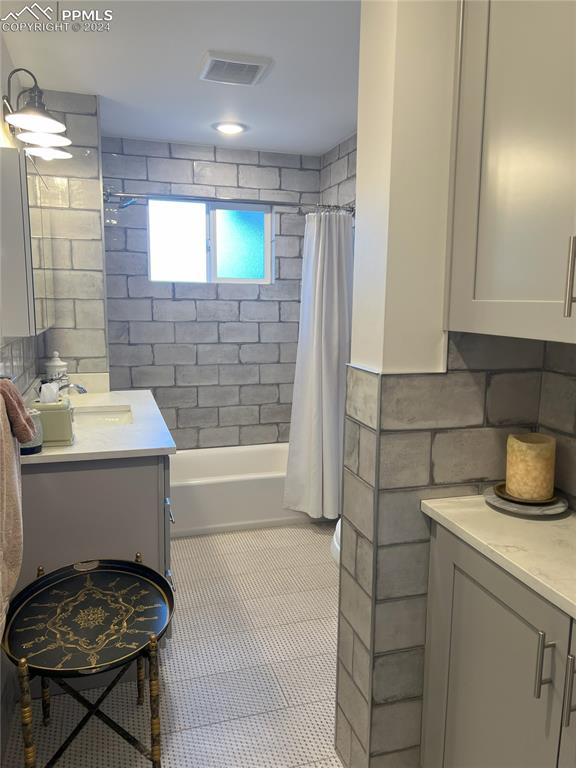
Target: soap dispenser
56 368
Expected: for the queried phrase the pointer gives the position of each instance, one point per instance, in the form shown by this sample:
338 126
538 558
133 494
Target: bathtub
219 489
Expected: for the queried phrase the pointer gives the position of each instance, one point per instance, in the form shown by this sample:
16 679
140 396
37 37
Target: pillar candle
530 466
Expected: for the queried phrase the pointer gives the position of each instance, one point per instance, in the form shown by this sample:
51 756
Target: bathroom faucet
77 387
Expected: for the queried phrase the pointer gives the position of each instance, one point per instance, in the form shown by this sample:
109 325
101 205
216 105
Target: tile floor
249 675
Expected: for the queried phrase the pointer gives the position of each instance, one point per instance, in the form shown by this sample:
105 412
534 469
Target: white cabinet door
515 191
495 665
86 510
567 755
16 277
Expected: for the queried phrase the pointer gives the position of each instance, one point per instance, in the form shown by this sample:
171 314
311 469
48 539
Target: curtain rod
110 195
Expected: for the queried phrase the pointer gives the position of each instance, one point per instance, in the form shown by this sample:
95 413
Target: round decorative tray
500 490
559 506
87 617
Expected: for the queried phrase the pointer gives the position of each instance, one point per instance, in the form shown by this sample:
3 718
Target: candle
530 466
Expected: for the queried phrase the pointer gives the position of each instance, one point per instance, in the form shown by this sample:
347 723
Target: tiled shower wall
66 210
220 358
18 361
65 215
338 174
410 437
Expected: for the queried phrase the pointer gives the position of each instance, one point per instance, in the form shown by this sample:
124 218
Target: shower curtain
313 479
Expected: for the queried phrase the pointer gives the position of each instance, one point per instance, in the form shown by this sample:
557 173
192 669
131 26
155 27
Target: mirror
42 248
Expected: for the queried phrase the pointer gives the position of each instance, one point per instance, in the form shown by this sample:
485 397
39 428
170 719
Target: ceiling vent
234 68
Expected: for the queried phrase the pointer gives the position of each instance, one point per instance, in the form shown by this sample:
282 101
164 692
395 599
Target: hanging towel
21 423
15 426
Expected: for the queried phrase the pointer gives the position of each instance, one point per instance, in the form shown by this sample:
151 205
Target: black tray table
85 619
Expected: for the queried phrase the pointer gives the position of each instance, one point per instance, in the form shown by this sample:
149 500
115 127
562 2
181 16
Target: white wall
408 59
373 176
6 66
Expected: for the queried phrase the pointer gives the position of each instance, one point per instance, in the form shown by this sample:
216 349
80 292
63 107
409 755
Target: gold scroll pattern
89 621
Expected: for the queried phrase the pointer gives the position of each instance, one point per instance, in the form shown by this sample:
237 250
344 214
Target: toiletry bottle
35 445
56 369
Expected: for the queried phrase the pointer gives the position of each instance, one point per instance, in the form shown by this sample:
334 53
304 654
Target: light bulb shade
34 116
44 139
31 119
48 153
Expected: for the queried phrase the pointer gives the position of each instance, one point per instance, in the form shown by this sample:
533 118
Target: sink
102 415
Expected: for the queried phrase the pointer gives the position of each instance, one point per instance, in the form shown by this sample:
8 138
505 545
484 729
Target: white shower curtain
313 480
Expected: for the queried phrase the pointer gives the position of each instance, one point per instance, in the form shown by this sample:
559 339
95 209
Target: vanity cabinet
496 667
515 170
86 510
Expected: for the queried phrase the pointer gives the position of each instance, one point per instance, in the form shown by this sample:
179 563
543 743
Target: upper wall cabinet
515 186
26 284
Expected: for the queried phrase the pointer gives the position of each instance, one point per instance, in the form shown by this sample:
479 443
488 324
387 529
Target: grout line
261 713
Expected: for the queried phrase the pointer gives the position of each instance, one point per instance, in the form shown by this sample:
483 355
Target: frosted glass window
195 242
177 238
240 244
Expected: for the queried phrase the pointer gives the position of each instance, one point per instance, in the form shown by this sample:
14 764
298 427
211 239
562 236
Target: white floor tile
201 701
281 739
307 679
248 678
277 610
225 653
212 562
191 623
193 592
258 539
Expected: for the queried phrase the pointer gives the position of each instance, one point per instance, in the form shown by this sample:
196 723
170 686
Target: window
195 242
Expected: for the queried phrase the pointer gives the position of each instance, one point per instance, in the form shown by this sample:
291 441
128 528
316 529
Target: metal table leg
26 714
45 683
154 702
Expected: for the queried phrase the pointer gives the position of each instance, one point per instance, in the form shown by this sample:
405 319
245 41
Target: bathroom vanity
501 639
105 496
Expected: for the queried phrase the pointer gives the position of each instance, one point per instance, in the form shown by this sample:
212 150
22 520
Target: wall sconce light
47 153
44 139
37 127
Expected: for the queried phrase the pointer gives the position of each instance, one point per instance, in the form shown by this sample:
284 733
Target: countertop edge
38 459
527 578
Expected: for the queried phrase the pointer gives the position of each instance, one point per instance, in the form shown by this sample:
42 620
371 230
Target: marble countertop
147 435
540 553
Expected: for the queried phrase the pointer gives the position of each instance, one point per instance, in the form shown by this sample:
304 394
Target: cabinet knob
170 578
569 298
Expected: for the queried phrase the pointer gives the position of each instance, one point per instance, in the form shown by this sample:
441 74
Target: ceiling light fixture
230 129
47 153
44 139
33 116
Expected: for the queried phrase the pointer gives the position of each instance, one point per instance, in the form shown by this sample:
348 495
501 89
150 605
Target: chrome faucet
77 387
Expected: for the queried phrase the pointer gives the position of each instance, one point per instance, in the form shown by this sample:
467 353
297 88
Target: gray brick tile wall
338 174
69 202
228 349
557 414
409 437
18 360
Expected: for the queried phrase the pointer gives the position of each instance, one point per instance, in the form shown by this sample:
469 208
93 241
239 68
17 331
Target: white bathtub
218 489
